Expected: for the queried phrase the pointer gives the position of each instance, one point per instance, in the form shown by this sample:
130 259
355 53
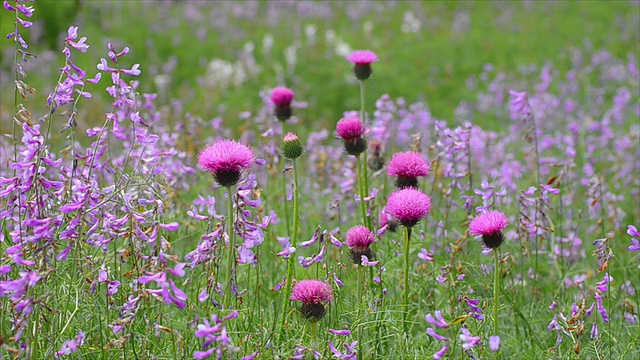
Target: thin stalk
405 302
360 285
365 176
284 202
314 335
496 280
284 189
294 243
361 190
232 248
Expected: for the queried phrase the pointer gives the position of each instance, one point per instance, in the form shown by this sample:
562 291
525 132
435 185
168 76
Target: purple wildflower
362 60
313 294
281 98
407 167
490 226
408 206
494 343
358 239
468 340
226 159
351 131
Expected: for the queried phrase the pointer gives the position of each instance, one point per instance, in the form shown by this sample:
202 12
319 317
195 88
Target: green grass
433 64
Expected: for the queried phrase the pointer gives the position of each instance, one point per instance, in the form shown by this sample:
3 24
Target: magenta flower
362 60
281 98
407 167
408 206
226 159
358 239
490 226
351 131
313 294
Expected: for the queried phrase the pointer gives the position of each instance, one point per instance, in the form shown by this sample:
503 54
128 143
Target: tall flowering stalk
359 240
520 107
225 160
351 130
490 225
291 149
408 206
313 294
281 97
362 60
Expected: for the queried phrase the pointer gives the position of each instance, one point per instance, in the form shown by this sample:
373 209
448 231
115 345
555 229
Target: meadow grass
116 248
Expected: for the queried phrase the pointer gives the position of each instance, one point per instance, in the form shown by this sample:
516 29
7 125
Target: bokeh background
214 58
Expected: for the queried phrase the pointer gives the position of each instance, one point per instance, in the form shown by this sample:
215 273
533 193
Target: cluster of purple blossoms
215 335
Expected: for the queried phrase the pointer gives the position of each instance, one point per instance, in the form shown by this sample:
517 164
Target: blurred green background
215 57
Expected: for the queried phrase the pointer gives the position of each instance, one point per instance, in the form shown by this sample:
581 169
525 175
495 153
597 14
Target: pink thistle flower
313 294
351 131
281 98
408 206
407 167
362 60
358 239
490 225
226 159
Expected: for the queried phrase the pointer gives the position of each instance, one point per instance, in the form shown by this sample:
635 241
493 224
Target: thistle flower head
226 159
351 131
281 98
313 294
490 225
359 238
312 291
362 57
362 60
350 128
407 167
408 206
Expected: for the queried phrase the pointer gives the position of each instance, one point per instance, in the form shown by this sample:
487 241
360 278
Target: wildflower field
319 180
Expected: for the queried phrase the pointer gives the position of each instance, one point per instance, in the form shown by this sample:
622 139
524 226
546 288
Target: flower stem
231 250
496 279
405 302
365 177
314 335
360 285
294 243
361 189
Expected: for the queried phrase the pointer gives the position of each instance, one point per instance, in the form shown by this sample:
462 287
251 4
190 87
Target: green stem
232 248
365 176
314 335
360 285
496 279
294 243
361 190
405 302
